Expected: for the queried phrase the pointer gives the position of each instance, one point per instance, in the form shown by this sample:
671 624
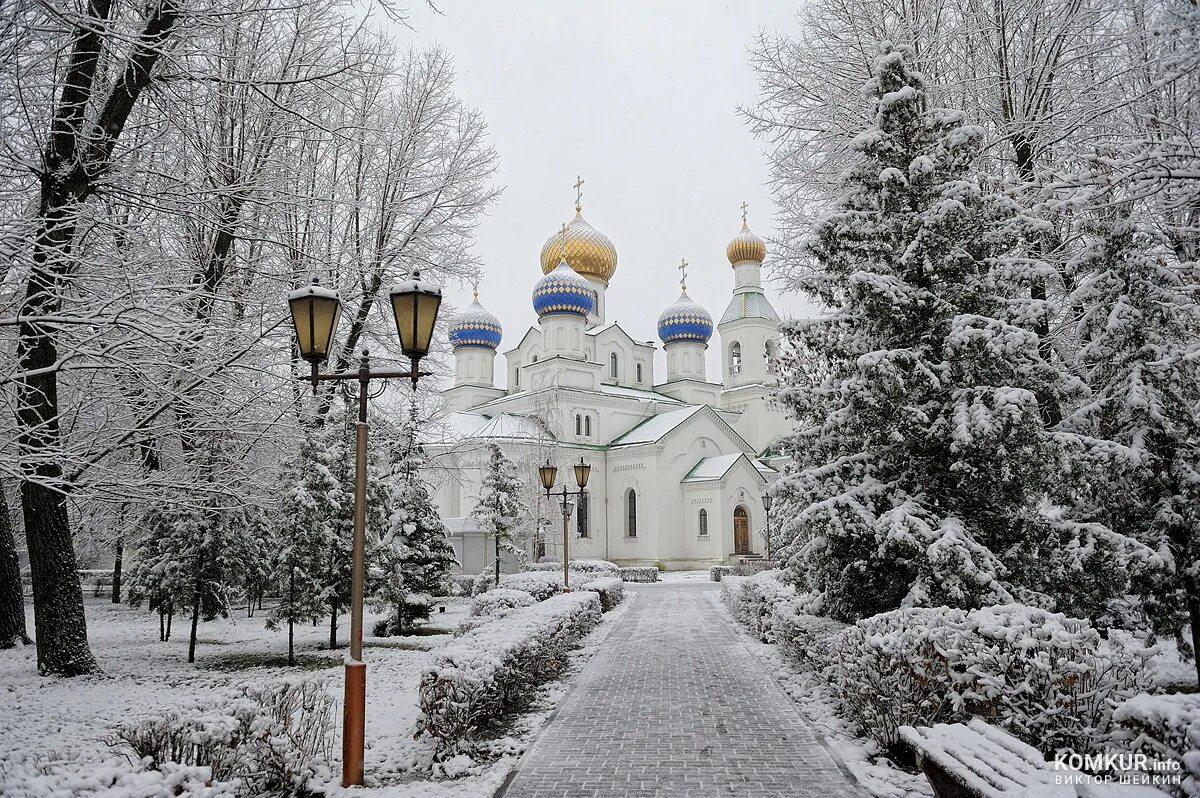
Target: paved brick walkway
675 705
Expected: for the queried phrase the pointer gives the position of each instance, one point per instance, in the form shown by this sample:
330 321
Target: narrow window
587 426
704 523
581 516
631 513
735 358
578 424
517 377
534 359
612 365
770 354
638 370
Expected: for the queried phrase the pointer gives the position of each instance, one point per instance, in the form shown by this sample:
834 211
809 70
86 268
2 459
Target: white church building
679 462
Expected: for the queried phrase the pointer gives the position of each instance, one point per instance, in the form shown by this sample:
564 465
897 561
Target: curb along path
675 705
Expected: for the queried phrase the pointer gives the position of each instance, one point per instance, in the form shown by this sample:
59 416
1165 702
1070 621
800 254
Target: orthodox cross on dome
578 193
562 241
744 207
683 264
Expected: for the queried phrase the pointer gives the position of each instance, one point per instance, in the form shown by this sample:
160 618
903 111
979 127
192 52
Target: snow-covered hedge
539 584
719 572
805 637
752 600
491 671
461 584
500 602
598 567
273 740
1043 677
1164 728
638 574
610 589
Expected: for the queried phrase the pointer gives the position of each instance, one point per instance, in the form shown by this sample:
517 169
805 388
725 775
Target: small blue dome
475 326
563 291
685 321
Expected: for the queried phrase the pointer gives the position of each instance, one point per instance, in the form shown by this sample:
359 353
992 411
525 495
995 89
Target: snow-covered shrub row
1045 678
539 584
805 637
482 583
610 589
752 600
717 572
638 574
273 740
499 602
491 671
599 567
1164 728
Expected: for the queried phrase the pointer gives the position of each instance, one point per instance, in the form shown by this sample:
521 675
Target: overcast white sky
640 99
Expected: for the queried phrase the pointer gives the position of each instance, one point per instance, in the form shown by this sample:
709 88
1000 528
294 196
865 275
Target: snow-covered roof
710 469
655 427
461 426
749 305
639 393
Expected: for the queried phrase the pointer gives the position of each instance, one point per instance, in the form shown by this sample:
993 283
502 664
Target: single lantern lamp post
767 499
315 314
547 474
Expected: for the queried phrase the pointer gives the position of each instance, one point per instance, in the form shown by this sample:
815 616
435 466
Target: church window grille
704 523
612 365
581 516
631 513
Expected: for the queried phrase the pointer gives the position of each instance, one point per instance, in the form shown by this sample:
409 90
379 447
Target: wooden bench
977 760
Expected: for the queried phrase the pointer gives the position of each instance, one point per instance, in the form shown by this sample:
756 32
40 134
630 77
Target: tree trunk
195 627
170 617
116 581
291 615
12 593
1191 591
162 624
333 614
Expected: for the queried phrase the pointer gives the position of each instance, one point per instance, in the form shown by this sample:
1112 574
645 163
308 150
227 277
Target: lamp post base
354 725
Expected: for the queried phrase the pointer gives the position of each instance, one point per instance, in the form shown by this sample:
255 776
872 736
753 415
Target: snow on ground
815 701
62 724
683 576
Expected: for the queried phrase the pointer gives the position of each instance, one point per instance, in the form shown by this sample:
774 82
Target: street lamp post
767 499
547 475
315 313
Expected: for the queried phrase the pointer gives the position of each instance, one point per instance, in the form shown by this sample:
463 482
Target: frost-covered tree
499 510
919 442
415 555
311 499
1139 333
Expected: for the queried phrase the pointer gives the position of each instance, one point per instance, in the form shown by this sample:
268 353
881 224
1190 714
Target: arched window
581 516
517 377
578 424
612 365
631 513
704 523
735 358
638 371
587 426
534 359
770 354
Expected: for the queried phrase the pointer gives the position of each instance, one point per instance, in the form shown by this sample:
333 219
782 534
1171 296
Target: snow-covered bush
752 600
482 583
1164 728
638 574
718 572
1045 678
610 589
272 740
407 610
539 584
548 565
461 584
597 567
805 637
491 671
500 602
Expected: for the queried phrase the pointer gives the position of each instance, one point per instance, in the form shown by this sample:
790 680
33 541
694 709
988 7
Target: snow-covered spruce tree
1139 336
499 511
919 445
311 499
414 558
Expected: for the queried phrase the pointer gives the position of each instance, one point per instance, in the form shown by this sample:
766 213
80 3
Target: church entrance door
741 531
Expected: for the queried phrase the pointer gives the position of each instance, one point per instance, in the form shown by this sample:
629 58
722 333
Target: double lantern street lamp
315 313
547 475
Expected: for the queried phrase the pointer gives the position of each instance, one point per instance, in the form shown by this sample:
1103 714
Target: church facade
679 462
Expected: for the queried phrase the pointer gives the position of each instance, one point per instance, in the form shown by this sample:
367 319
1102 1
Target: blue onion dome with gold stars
475 326
563 291
685 321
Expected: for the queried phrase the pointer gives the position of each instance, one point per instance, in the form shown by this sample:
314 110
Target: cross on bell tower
683 264
578 194
744 207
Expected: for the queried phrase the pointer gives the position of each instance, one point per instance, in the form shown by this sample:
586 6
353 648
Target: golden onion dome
746 246
588 251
